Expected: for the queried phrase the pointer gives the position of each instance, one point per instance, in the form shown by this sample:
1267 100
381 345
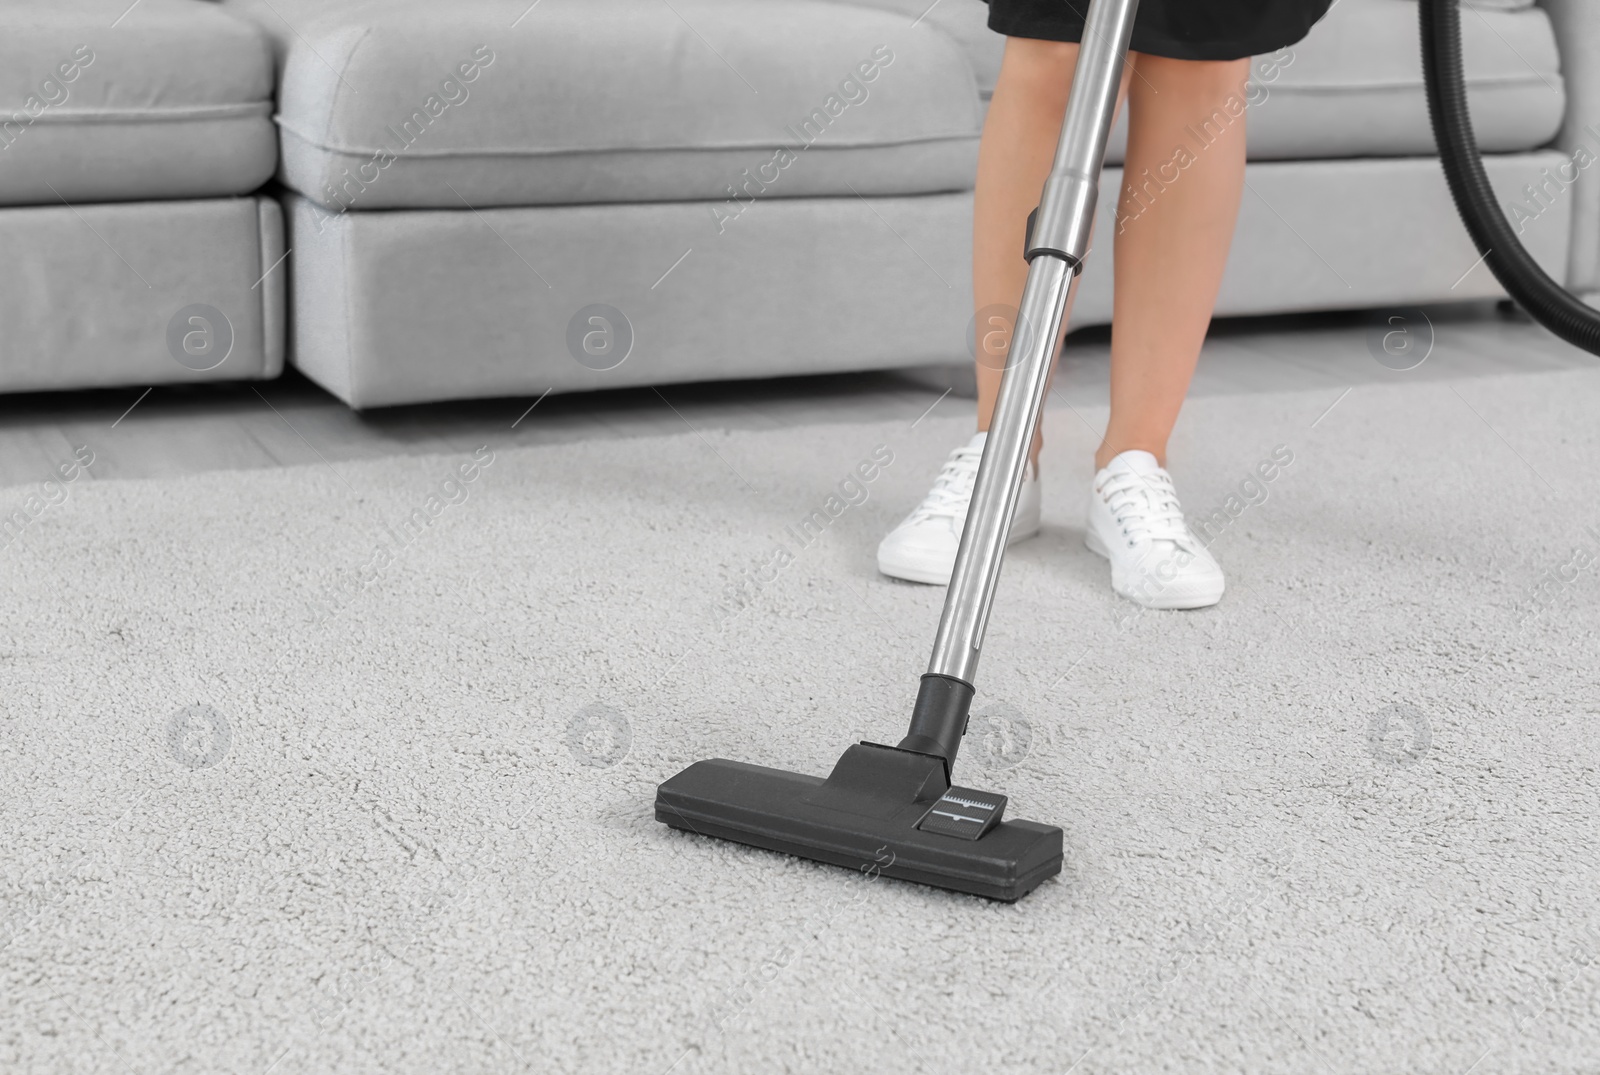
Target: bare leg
1172 239
1014 156
1182 183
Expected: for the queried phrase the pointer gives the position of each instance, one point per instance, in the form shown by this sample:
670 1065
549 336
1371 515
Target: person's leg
1018 144
1183 178
1169 261
1014 155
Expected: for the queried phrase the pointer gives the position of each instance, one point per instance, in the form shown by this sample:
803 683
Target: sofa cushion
414 103
965 20
103 101
1353 87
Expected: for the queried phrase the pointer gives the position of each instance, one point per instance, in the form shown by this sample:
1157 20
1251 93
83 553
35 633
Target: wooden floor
184 430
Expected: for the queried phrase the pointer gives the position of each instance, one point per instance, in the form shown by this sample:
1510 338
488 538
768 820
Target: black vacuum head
882 808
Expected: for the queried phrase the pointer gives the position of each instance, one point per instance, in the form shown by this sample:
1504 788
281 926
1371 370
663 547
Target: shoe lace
1146 505
952 489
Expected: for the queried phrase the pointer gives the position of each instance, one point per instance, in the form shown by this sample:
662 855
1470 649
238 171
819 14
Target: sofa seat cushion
415 103
104 101
1353 86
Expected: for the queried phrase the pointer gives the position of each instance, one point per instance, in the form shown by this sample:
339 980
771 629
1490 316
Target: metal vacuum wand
1056 245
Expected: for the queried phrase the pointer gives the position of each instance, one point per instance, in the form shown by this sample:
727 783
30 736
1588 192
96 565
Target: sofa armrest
1577 26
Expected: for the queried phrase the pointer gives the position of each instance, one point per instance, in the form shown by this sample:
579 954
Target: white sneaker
1135 521
923 547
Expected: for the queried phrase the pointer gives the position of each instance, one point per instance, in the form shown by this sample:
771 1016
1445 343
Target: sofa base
89 292
415 306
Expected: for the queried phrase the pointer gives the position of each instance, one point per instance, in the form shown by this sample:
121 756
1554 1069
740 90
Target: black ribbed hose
1475 200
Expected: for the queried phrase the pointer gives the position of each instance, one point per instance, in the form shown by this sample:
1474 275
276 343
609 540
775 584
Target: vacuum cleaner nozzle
892 809
883 808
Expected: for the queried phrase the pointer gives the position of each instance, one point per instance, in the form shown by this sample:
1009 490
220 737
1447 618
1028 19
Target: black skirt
1179 29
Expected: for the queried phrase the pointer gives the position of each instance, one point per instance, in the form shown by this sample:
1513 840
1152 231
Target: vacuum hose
1475 200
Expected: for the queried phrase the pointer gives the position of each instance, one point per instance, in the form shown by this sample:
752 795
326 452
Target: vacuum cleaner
894 810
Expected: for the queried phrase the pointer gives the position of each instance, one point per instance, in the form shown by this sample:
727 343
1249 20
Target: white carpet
1344 822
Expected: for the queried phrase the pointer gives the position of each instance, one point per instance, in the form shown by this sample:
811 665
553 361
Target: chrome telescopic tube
1057 243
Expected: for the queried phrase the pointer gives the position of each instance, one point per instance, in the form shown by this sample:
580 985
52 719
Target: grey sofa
136 250
499 197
